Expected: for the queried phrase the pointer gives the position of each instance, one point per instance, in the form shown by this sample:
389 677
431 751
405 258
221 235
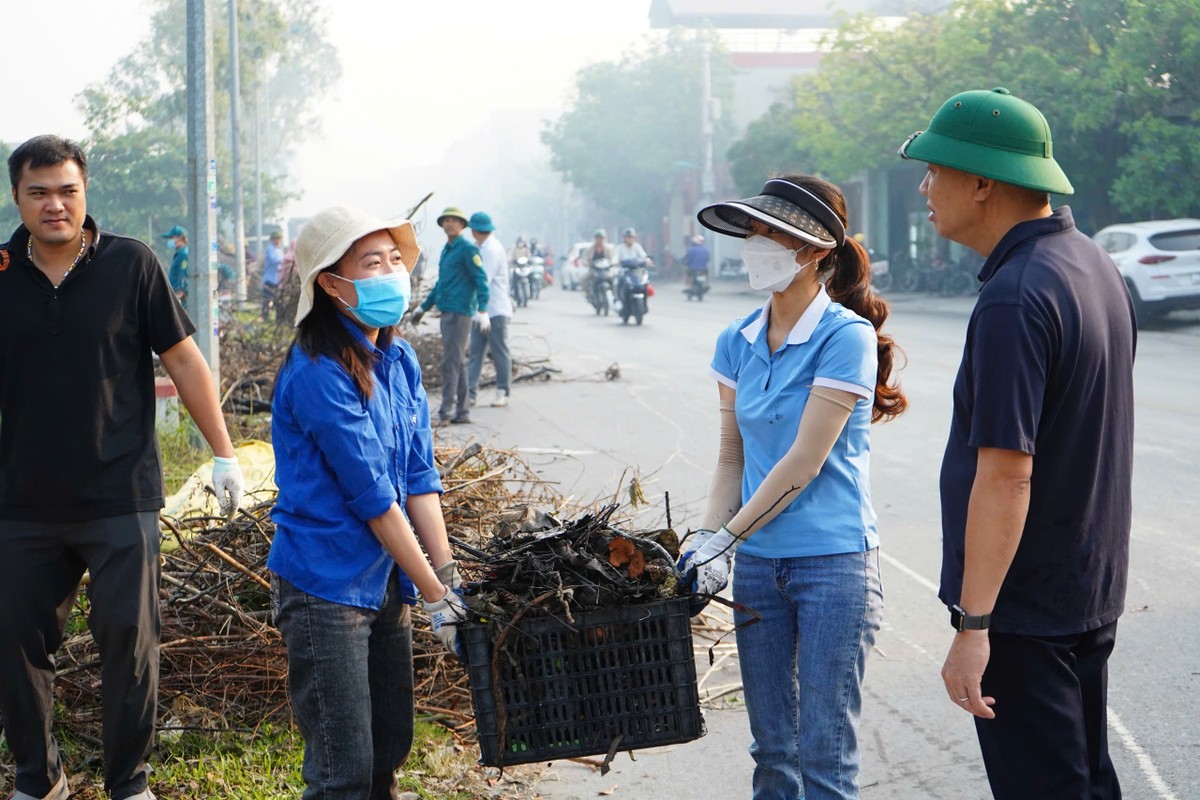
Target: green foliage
771 146
138 114
1106 73
634 124
9 218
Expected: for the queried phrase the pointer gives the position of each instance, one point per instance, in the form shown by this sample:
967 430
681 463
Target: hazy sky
418 76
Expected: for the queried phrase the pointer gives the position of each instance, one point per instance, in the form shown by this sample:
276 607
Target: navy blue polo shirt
1048 370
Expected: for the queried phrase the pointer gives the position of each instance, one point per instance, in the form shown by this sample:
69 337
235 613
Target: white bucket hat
329 234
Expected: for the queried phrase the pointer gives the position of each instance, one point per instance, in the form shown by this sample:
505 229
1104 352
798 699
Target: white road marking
1144 762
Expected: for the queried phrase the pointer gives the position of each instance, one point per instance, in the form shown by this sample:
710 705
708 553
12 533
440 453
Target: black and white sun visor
784 206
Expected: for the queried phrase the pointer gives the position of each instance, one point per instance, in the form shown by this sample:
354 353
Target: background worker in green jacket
461 294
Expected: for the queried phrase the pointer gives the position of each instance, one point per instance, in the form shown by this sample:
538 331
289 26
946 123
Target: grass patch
263 767
182 448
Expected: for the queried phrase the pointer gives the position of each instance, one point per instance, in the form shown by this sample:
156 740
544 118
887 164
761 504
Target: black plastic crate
566 690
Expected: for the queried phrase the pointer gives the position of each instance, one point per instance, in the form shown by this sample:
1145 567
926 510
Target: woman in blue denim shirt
800 381
359 495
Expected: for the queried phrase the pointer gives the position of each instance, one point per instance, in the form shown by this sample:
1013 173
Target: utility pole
707 175
258 215
202 185
235 97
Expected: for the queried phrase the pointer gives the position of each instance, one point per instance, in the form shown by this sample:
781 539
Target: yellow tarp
194 498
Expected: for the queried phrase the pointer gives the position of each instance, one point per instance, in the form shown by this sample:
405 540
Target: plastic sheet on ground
196 498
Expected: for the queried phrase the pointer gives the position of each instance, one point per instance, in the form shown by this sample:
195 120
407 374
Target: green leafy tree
9 219
138 115
632 124
1114 78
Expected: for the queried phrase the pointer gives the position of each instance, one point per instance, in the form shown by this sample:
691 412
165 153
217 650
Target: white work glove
693 543
444 616
228 483
713 561
483 321
449 575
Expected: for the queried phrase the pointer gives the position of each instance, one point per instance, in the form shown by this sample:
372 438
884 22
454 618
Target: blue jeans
802 668
350 677
496 340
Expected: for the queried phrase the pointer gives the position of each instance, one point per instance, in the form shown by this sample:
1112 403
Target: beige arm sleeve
822 422
725 492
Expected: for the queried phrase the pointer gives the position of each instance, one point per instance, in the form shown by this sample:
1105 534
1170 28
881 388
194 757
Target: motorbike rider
519 250
630 249
695 260
630 252
600 249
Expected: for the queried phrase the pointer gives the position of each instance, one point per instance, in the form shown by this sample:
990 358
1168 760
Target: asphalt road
658 422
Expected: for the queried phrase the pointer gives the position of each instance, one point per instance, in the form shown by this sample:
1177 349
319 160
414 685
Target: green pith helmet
993 135
452 211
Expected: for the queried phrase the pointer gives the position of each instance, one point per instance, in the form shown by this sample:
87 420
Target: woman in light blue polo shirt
359 495
800 381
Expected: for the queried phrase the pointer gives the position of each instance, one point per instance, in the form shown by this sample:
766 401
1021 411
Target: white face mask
770 265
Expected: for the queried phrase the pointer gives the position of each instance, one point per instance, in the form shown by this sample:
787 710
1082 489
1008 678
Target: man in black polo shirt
80 479
1036 478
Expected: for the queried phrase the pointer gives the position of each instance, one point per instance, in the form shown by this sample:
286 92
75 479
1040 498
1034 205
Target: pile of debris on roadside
224 666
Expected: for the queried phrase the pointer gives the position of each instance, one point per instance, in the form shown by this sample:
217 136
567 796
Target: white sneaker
60 791
146 795
500 401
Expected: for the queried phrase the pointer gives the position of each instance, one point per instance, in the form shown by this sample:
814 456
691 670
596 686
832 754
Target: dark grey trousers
456 332
41 564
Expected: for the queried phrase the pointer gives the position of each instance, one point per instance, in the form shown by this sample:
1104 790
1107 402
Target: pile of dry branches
224 666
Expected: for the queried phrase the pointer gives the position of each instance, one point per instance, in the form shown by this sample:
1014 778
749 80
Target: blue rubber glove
228 483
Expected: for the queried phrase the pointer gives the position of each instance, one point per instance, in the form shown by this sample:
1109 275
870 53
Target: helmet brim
1019 169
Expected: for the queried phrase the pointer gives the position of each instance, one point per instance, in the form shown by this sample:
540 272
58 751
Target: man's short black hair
46 150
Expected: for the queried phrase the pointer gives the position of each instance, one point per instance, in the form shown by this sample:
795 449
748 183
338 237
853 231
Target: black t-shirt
1048 370
77 437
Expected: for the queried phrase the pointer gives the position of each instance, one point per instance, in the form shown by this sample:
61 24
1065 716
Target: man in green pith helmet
1036 480
461 294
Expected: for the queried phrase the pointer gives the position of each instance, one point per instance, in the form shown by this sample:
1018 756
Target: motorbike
600 295
698 286
633 287
537 276
519 281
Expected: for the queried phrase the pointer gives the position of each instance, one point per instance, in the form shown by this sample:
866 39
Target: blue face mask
382 300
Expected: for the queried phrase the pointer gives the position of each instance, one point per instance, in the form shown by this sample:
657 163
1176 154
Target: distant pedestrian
499 312
461 294
1037 476
177 275
272 277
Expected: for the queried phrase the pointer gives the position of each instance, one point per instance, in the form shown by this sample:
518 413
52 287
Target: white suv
1160 262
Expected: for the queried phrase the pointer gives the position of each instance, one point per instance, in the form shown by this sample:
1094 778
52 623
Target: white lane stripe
1145 763
910 572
